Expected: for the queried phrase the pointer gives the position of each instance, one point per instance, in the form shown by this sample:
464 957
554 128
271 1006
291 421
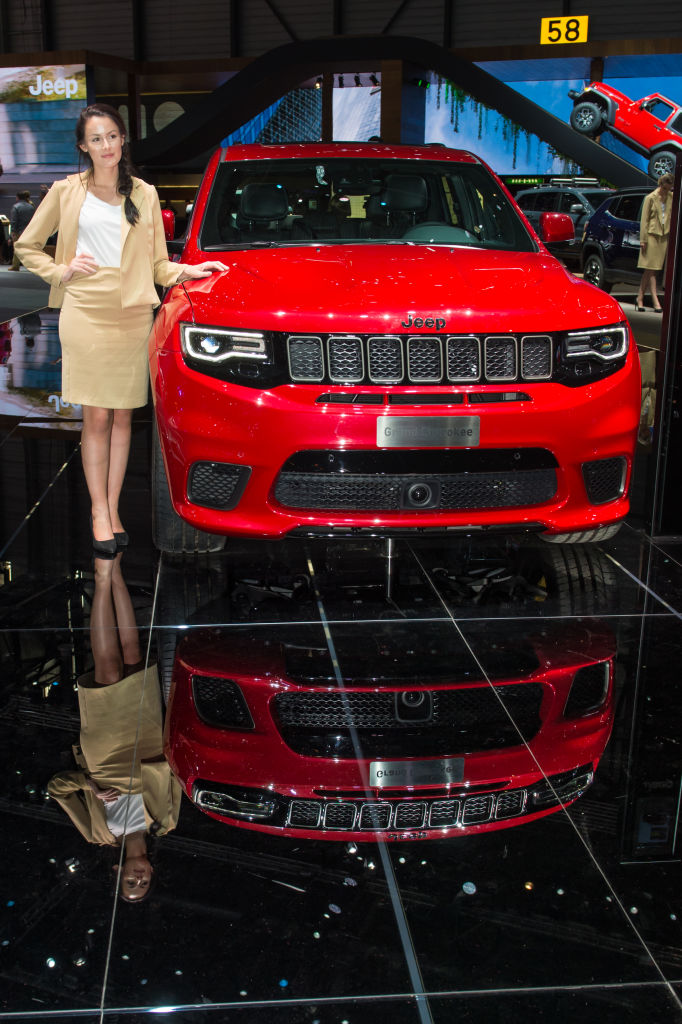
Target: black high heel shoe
103 548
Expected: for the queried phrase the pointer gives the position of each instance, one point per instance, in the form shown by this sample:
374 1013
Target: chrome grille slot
500 357
477 809
443 812
536 357
305 358
511 803
346 363
385 358
375 816
410 815
339 815
463 358
424 360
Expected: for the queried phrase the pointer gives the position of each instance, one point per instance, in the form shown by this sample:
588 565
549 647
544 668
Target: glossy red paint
382 288
259 759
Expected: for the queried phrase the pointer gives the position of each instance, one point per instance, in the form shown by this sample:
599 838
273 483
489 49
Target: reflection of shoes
103 548
640 309
15 269
122 540
658 309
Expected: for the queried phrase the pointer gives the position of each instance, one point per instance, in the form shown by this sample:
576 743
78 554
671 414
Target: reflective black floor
569 660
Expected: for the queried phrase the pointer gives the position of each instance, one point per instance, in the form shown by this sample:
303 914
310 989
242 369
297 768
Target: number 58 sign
563 30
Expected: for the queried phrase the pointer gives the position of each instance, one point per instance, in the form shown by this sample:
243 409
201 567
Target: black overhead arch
268 77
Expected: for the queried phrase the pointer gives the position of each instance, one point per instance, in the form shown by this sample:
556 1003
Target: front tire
583 536
587 118
594 272
662 162
170 533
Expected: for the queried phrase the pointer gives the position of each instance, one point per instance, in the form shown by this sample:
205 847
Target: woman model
122 791
110 252
653 238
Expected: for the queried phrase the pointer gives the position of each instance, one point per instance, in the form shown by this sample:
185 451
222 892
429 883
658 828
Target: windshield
597 198
285 202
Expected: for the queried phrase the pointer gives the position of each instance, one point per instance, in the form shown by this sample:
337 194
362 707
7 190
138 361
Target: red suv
652 126
391 348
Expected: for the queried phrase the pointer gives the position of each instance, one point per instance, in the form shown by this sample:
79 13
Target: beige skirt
654 257
121 726
104 346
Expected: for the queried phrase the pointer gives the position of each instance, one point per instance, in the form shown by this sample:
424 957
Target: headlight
586 356
216 345
605 344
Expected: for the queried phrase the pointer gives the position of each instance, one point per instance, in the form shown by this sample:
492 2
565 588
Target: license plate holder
428 431
396 774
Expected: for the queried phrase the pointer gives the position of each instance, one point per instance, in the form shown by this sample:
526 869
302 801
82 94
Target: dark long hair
125 167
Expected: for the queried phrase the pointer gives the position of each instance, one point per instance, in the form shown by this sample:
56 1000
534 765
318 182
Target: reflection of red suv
391 347
412 743
652 126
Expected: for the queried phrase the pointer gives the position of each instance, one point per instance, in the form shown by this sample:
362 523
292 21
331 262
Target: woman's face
136 877
102 142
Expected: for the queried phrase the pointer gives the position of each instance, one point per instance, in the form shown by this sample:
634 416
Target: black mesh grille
604 479
443 812
510 804
385 360
410 815
500 358
464 359
477 809
424 360
220 702
345 360
305 813
370 493
588 690
216 484
341 815
461 720
305 358
536 358
375 816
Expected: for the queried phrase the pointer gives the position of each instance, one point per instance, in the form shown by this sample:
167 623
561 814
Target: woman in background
653 238
110 253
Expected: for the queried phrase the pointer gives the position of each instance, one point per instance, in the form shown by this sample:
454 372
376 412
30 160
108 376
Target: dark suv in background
610 247
578 197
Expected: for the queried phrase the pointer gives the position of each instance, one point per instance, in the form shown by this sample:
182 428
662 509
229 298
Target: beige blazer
652 221
161 795
144 256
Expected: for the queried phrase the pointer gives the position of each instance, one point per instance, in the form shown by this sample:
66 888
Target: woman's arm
167 273
644 222
29 247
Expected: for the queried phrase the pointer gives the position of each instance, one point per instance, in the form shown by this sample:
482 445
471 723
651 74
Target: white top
99 231
130 805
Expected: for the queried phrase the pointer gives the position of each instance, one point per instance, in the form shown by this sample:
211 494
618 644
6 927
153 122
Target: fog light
250 807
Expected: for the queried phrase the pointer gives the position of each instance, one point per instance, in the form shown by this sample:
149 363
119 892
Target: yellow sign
563 30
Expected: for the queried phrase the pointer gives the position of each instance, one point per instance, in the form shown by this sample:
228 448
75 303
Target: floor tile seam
38 501
409 952
366 999
581 839
645 586
147 663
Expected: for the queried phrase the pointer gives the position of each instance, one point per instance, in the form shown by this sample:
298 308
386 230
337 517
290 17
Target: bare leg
95 453
653 290
128 635
103 632
118 461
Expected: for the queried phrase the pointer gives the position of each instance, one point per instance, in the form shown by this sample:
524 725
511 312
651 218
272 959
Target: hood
397 288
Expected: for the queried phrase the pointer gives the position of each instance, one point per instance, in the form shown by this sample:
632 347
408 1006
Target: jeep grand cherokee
392 347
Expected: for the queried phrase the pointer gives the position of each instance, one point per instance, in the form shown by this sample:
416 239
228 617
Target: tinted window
567 200
660 110
546 201
676 124
275 202
596 198
527 202
627 207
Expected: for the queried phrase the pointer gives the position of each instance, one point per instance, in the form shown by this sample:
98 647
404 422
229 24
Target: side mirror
168 218
556 227
176 245
577 208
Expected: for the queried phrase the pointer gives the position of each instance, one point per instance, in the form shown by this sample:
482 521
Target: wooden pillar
391 100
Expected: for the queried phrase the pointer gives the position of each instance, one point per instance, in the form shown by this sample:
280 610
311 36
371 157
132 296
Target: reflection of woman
653 238
123 789
110 252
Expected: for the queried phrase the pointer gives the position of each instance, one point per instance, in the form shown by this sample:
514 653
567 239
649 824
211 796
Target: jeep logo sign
66 87
424 321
